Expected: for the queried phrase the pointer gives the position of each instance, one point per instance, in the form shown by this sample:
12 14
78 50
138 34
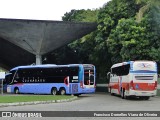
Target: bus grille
144 77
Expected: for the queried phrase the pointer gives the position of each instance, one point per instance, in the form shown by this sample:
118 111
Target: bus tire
16 90
62 91
123 93
77 95
111 91
146 98
54 91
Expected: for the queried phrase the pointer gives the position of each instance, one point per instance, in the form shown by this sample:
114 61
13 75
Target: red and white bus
133 78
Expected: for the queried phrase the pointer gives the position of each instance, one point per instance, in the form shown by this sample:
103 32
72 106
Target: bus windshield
88 75
121 70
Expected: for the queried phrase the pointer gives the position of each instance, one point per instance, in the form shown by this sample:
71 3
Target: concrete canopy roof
36 37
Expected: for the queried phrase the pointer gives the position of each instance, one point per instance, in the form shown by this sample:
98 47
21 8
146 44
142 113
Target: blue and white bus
52 79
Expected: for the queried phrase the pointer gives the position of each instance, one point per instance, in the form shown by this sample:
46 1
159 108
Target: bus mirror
108 75
17 76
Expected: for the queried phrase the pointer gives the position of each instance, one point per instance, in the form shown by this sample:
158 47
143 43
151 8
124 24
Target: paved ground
95 102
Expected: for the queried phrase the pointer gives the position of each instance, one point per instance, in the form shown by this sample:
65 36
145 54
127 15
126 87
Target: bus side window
126 69
121 70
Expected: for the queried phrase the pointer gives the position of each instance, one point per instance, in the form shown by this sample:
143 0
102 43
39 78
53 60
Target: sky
44 9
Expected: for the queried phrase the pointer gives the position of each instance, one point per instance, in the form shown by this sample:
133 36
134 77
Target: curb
37 102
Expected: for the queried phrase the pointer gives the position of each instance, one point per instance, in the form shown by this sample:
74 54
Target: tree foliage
126 39
81 15
120 35
108 18
112 12
129 41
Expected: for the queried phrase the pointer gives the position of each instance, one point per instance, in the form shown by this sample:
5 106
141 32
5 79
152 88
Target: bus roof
129 62
120 64
47 66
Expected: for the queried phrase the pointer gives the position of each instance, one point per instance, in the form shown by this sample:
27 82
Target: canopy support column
38 59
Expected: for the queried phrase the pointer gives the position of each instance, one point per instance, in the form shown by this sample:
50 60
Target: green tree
151 9
135 40
81 15
130 41
148 5
83 47
108 18
112 12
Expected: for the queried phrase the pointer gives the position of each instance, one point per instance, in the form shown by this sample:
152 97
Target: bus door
73 84
88 78
74 79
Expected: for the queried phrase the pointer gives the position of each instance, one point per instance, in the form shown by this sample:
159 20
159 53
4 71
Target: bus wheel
62 91
54 91
77 95
146 98
122 93
111 91
16 90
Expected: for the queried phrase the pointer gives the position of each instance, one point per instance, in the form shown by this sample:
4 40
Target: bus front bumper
88 90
